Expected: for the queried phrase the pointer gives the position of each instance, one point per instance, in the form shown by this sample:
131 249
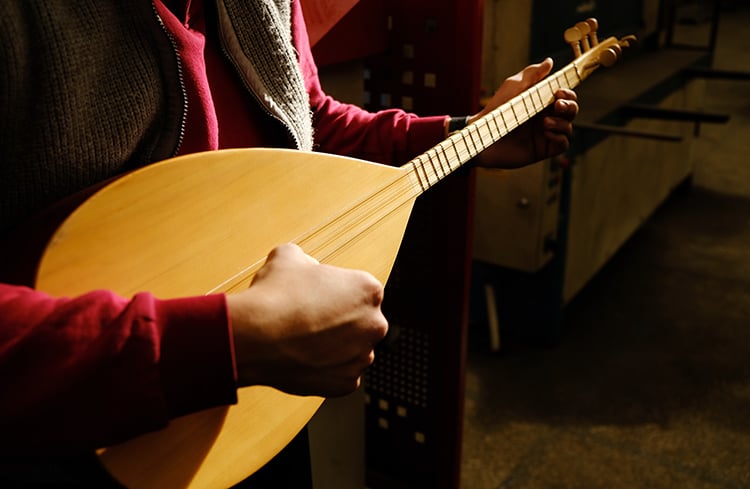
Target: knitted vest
91 88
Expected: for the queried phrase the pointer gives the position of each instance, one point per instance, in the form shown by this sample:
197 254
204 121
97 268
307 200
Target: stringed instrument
204 223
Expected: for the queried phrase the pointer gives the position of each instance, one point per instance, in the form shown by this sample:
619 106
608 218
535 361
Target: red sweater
93 370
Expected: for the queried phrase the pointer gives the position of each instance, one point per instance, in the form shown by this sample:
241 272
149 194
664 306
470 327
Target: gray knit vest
90 89
273 74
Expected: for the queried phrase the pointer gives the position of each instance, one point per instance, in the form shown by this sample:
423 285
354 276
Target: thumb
516 84
536 72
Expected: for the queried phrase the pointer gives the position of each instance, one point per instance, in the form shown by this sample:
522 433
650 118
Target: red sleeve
97 369
390 136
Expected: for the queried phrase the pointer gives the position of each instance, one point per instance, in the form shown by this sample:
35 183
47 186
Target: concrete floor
650 384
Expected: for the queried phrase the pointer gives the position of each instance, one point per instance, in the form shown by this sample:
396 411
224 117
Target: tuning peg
609 57
594 26
573 37
628 40
584 29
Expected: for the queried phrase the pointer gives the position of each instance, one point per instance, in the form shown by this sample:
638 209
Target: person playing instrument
91 90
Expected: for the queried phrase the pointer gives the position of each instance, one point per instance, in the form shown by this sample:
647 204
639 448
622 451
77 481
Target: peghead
591 52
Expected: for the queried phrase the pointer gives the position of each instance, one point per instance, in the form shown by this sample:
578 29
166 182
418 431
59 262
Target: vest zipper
180 79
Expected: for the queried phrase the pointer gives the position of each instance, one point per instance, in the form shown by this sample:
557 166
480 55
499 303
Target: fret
545 92
577 81
506 118
525 115
570 84
430 154
484 133
427 174
489 128
555 82
477 149
492 137
532 103
515 116
539 96
432 163
466 146
415 166
431 176
455 150
436 177
453 163
552 89
500 129
505 126
562 80
443 160
533 91
481 135
541 105
441 153
518 111
436 154
458 138
463 138
525 106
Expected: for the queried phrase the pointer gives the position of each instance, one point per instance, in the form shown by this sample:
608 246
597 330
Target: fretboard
460 147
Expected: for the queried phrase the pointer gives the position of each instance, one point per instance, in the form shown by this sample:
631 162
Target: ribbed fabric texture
274 74
84 95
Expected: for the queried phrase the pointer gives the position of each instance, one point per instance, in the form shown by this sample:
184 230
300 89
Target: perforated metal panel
414 391
401 381
433 58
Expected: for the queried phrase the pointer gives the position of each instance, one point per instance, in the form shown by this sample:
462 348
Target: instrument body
203 224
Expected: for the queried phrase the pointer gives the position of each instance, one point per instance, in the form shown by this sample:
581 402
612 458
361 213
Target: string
422 173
